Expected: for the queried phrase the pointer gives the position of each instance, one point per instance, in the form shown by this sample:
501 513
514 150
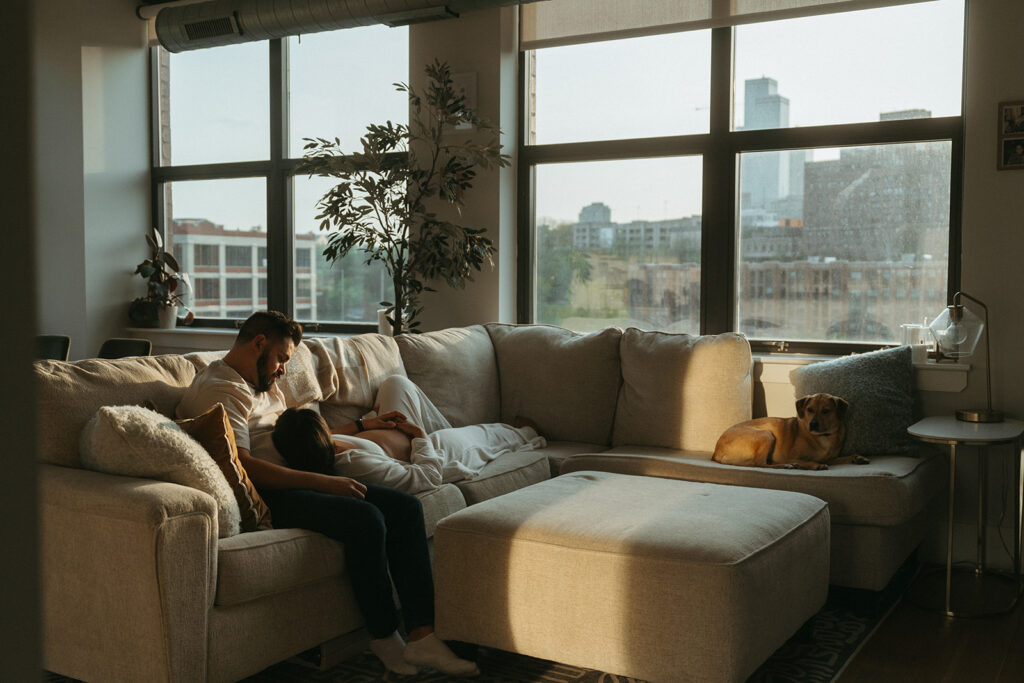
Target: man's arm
267 475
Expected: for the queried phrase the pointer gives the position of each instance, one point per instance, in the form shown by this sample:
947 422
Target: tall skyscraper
768 178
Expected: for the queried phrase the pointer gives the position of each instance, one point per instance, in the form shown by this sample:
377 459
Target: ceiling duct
227 22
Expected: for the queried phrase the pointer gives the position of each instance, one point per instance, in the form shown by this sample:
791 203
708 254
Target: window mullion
718 233
280 259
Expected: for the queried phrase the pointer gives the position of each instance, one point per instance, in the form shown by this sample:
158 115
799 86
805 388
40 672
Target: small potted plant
165 285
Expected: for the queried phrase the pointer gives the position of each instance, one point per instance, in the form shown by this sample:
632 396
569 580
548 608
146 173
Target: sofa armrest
128 575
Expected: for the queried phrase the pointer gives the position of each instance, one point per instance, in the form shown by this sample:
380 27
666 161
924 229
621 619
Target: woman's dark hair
304 441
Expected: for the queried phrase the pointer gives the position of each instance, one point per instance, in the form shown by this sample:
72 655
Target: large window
794 180
229 123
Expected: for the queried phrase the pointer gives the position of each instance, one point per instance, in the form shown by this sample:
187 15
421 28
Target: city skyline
863 66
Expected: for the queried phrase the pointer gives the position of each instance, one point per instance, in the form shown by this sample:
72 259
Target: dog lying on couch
810 441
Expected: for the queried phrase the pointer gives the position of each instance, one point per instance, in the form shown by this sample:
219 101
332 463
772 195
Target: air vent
211 28
210 23
417 16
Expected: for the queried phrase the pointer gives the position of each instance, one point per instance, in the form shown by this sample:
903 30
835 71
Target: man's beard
263 379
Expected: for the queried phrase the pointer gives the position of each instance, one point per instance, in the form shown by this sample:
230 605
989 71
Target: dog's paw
860 460
821 466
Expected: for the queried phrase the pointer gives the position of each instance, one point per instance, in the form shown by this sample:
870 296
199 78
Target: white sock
432 652
390 651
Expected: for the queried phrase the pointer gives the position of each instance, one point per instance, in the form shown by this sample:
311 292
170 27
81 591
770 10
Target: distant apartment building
596 231
228 269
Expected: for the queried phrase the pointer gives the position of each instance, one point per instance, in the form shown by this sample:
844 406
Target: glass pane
635 88
855 247
347 290
897 62
341 81
214 105
216 230
618 243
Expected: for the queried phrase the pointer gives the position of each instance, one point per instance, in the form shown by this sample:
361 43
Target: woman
415 450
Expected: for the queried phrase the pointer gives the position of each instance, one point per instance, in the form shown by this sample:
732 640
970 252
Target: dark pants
384 531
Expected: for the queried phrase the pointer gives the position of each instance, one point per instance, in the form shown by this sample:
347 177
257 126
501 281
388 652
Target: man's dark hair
304 441
273 325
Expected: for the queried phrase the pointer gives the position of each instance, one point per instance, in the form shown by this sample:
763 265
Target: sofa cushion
69 394
252 566
456 369
558 451
887 492
138 442
566 382
880 389
510 472
362 362
213 432
681 391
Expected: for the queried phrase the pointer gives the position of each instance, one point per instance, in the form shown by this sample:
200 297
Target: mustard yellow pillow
213 431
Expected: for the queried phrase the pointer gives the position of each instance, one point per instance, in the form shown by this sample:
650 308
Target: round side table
980 592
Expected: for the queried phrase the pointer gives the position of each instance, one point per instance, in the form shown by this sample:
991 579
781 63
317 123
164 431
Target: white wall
92 166
483 43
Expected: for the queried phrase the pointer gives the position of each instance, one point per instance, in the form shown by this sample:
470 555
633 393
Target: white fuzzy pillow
137 442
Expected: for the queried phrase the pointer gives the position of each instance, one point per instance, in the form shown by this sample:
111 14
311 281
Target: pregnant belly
393 442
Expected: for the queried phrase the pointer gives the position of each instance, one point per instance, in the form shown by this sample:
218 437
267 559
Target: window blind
568 22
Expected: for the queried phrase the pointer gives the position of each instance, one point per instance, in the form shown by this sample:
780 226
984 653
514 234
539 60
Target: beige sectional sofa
137 585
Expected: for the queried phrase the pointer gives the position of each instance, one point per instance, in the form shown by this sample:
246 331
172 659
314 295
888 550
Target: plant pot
168 317
383 326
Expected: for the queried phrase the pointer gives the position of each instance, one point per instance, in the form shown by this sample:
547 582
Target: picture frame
1010 152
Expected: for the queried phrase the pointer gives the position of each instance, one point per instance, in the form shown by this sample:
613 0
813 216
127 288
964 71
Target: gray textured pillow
880 388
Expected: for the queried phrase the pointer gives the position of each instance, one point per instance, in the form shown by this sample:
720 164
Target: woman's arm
424 472
389 420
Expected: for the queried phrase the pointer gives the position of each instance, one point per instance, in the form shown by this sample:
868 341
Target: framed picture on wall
1011 136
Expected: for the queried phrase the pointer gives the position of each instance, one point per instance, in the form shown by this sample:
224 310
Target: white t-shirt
252 414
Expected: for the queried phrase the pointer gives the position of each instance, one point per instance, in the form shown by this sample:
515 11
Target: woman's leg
476 445
361 527
400 393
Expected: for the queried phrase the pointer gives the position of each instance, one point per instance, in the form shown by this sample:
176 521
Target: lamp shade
957 331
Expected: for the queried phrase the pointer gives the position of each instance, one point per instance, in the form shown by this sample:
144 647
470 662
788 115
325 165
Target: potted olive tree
381 202
165 285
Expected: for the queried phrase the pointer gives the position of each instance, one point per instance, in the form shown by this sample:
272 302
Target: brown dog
810 441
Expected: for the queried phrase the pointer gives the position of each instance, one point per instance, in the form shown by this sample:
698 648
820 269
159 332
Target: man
381 529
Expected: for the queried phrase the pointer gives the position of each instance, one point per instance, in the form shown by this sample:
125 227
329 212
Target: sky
839 68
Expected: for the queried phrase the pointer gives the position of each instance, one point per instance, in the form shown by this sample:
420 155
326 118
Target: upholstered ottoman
657 579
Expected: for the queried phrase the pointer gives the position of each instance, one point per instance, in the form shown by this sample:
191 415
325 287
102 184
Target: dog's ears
842 405
800 403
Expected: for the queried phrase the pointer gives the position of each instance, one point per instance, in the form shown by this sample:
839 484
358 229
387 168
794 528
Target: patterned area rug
817 653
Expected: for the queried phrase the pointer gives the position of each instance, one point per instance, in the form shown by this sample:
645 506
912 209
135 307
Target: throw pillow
681 391
880 389
213 431
136 442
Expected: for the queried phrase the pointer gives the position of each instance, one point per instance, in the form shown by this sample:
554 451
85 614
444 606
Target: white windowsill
929 376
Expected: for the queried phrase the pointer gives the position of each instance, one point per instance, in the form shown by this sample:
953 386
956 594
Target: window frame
277 172
720 149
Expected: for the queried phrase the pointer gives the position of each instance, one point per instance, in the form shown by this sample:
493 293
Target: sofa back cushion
362 362
456 369
69 394
681 391
566 382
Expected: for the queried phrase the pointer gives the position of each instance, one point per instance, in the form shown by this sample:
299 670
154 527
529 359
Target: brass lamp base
979 415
